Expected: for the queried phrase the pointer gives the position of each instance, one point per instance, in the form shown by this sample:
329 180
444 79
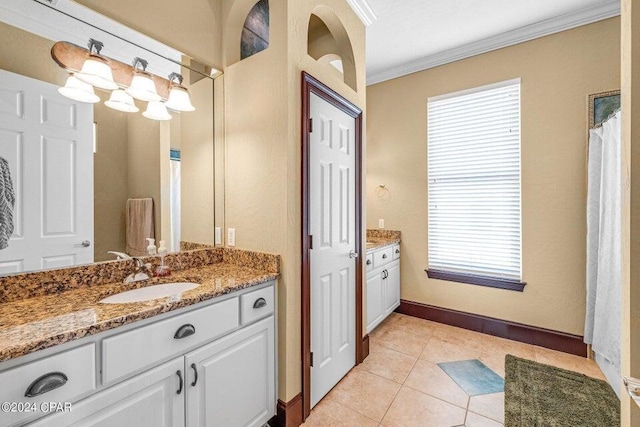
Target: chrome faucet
141 272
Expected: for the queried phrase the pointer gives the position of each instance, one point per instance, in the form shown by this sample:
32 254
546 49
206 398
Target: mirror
91 183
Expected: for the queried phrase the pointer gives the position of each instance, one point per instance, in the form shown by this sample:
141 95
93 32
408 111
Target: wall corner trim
519 35
555 340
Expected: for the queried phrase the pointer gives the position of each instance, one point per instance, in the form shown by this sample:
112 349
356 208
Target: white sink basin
149 293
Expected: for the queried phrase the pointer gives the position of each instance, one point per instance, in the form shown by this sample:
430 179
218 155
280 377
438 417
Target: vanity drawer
58 378
382 257
135 350
369 263
256 305
396 251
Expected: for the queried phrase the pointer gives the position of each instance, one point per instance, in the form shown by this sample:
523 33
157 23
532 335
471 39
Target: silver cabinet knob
353 254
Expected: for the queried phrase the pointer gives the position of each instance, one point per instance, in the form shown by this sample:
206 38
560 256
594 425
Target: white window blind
474 181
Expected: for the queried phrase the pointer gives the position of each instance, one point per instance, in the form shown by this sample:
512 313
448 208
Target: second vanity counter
39 322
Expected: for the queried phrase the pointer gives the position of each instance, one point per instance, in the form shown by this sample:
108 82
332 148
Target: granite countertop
380 243
379 238
39 322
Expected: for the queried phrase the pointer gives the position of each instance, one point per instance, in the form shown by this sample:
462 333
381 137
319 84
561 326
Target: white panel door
48 141
332 225
150 399
231 382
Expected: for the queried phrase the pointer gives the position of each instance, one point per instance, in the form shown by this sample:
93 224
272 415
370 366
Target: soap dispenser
151 249
162 270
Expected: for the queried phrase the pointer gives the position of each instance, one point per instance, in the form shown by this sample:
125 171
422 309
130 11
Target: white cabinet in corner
383 284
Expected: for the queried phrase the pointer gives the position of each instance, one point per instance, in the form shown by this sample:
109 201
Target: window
474 186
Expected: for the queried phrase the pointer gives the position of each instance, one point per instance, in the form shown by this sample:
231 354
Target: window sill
472 279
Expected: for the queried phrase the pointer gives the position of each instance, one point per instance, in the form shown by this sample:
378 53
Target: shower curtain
604 248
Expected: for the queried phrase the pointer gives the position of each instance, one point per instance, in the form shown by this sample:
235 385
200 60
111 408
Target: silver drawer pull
46 383
368 262
184 331
384 256
397 251
260 302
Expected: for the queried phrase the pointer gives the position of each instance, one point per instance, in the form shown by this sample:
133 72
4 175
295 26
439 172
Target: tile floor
401 384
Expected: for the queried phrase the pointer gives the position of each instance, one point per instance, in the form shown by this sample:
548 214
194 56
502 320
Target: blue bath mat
474 377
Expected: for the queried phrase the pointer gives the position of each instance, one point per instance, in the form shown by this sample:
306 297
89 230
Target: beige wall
262 130
630 205
196 167
557 72
192 27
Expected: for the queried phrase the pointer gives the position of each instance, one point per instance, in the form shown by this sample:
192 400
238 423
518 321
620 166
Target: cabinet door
392 287
235 384
150 399
374 300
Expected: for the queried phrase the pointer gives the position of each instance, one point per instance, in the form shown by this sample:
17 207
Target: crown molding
363 9
509 38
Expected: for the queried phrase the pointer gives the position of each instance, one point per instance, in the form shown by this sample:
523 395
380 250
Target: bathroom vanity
204 357
383 278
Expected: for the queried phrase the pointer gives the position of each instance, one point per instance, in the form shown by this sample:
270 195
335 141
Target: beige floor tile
488 405
329 413
494 361
388 363
447 350
413 408
475 420
366 393
495 345
429 378
569 361
413 325
401 341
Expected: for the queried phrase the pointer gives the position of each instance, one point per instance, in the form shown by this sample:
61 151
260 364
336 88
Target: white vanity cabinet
212 364
383 284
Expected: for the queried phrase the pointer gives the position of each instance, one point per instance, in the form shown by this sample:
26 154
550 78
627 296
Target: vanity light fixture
142 86
79 91
179 99
96 70
156 110
121 101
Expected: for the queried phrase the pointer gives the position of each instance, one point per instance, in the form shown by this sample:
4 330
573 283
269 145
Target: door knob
85 244
353 254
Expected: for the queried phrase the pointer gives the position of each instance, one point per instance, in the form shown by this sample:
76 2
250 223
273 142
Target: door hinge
310 125
311 358
310 241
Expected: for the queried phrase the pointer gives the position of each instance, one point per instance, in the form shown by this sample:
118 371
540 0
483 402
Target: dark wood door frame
311 85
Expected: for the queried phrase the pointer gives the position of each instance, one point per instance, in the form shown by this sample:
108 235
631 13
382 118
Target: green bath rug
538 395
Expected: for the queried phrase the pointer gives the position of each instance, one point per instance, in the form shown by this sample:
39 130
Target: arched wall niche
329 43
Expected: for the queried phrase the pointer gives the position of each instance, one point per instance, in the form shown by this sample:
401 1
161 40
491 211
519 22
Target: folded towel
7 204
140 225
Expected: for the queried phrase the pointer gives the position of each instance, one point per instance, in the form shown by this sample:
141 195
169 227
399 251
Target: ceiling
405 36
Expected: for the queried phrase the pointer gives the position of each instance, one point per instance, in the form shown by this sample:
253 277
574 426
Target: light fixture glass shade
143 88
79 91
121 101
179 99
156 110
97 73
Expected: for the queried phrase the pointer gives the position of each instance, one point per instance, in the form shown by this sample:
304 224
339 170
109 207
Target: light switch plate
381 223
218 235
231 236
